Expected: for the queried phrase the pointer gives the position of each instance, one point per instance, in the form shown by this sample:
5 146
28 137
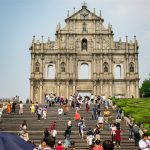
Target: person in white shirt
101 122
60 112
113 129
21 108
54 133
92 98
144 144
70 100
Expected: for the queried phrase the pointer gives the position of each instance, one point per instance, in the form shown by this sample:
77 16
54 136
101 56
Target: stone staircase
11 122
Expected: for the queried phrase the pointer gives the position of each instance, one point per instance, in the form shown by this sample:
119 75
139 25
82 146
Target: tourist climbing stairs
11 123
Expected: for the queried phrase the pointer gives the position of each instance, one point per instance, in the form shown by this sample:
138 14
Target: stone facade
56 66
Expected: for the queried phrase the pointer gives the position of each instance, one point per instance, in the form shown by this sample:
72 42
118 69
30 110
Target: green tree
145 88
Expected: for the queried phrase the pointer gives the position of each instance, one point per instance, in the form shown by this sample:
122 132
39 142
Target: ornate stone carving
74 44
105 43
64 42
78 44
97 26
71 26
71 43
36 90
90 44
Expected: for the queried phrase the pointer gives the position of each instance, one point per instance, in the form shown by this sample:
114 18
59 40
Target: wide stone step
11 123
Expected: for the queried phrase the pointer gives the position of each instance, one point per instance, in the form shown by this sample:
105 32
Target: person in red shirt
52 126
77 117
87 107
118 137
97 145
59 146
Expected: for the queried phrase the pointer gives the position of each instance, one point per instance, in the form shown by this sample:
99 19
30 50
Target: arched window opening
105 67
62 67
118 72
37 67
84 44
131 67
84 27
84 71
51 72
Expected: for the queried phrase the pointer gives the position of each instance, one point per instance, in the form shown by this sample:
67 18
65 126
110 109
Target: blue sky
21 19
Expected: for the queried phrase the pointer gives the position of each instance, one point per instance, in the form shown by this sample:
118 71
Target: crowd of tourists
92 135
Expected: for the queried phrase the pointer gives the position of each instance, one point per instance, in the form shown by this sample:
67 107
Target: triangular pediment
83 13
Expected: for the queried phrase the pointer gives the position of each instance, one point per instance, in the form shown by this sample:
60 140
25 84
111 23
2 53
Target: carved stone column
101 85
110 64
136 64
98 88
67 61
42 70
98 65
94 64
101 64
75 64
31 90
128 89
127 64
94 88
41 92
32 63
137 89
58 88
110 89
67 89
58 65
74 87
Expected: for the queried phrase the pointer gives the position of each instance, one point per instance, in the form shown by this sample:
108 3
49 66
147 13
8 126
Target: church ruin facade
84 58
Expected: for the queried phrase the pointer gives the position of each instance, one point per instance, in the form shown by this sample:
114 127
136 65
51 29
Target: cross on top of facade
84 4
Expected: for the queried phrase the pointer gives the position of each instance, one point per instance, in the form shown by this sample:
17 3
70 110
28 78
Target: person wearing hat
59 146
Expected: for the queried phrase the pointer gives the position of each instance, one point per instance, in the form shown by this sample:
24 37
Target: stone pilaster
67 89
137 89
128 89
110 89
41 92
58 88
31 90
74 87
94 88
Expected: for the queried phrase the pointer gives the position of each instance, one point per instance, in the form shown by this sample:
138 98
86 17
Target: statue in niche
84 44
84 27
37 67
105 67
62 67
131 67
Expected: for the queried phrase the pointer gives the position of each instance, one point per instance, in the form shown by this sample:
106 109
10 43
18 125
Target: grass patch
139 109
